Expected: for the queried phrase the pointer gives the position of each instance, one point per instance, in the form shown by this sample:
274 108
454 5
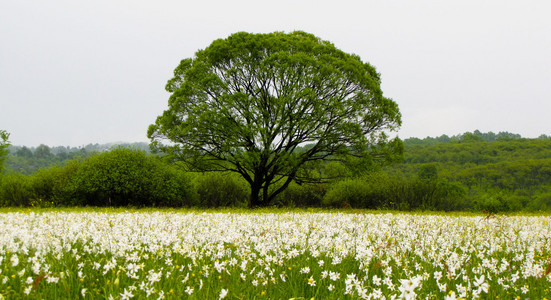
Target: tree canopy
4 143
248 103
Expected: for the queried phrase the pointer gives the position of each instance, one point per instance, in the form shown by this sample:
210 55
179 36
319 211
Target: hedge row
124 177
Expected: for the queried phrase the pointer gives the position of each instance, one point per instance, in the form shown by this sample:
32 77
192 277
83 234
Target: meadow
270 254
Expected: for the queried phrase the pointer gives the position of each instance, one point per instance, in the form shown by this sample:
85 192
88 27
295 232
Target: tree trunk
254 200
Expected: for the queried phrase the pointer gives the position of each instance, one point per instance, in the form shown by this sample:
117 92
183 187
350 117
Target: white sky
93 71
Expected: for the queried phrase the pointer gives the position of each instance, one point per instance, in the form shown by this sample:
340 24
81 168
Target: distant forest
473 171
27 160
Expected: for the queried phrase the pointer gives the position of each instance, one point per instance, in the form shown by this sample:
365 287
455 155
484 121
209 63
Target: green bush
217 189
541 202
304 195
15 190
50 186
125 177
494 202
378 190
356 193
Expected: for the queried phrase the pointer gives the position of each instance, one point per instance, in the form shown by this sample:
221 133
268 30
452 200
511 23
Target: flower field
301 255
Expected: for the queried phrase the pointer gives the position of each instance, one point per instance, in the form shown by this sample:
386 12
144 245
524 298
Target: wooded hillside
473 171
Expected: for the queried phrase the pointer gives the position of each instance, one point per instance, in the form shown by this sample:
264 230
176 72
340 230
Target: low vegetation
471 172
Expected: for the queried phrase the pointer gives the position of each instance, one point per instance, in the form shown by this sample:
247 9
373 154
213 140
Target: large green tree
4 143
248 103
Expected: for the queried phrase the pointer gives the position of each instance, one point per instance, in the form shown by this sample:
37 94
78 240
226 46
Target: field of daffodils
279 255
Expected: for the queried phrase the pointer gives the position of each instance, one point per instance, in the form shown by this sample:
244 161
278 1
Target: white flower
305 270
189 290
451 296
408 284
52 279
525 289
83 292
311 281
334 275
27 290
408 288
461 290
388 282
331 287
14 260
377 294
126 295
481 284
29 280
437 275
223 294
154 277
515 277
149 291
376 280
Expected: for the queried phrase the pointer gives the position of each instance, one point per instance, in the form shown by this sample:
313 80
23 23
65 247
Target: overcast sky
76 72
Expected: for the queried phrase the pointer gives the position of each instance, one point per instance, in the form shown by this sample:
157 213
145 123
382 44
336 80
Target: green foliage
352 193
51 187
497 202
506 174
542 202
303 195
475 136
428 172
15 190
246 103
216 189
379 190
27 161
4 143
124 177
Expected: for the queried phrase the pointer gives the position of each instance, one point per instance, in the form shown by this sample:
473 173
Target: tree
246 103
43 151
24 152
4 144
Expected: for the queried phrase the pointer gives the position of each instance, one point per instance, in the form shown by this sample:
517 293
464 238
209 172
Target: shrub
50 186
308 194
490 203
217 189
541 202
15 190
124 177
355 193
379 190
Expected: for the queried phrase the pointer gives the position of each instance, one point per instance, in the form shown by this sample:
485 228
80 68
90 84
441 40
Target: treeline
502 172
470 172
27 160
